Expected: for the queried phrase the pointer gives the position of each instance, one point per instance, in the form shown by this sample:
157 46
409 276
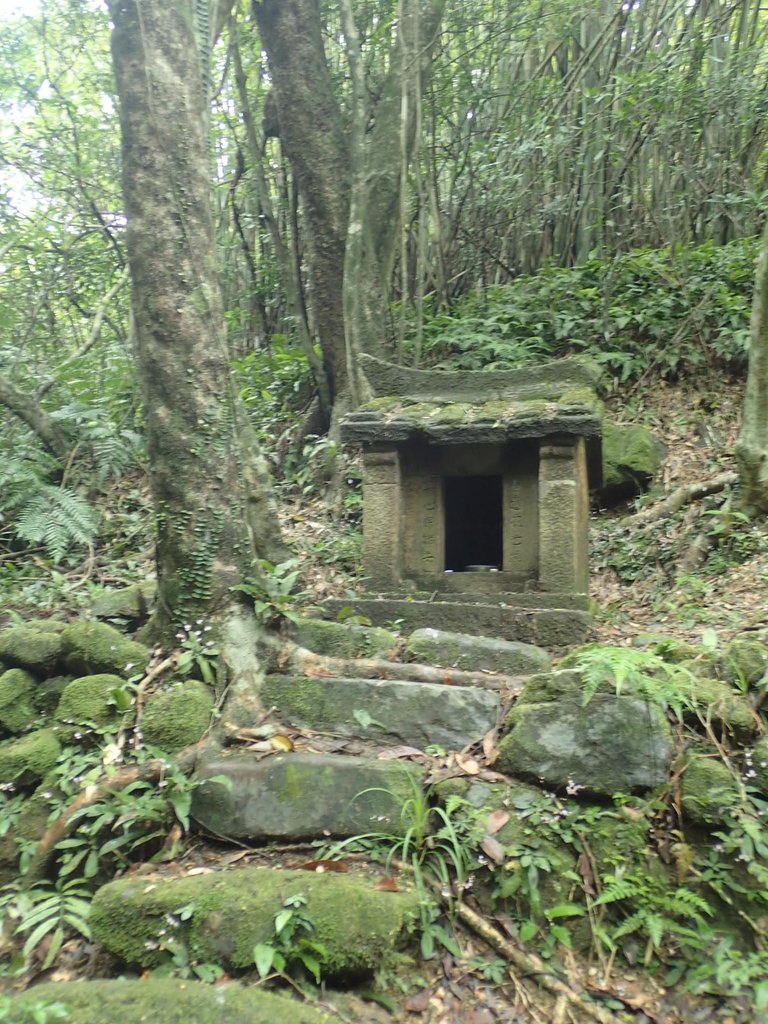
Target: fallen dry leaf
496 821
392 753
387 884
467 764
493 849
281 742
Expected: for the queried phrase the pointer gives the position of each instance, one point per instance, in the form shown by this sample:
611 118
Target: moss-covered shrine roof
479 406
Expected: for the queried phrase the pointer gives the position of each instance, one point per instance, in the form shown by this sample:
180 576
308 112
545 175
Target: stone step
476 653
385 710
229 912
545 627
302 796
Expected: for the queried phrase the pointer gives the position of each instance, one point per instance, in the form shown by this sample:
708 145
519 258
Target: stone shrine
476 484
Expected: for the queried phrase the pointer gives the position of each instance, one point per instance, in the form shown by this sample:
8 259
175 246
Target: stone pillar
521 513
563 516
382 518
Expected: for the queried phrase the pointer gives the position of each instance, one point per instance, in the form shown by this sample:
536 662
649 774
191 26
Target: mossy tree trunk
213 503
752 446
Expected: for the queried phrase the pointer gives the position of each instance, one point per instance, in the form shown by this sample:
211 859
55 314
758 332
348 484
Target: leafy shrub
667 311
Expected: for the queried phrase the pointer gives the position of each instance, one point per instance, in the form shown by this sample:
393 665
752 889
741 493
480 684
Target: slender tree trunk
29 410
213 504
752 446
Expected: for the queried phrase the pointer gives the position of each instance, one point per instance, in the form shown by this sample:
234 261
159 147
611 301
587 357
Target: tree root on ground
683 496
319 665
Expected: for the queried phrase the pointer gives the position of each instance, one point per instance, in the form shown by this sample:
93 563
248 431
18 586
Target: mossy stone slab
303 796
166 1000
17 710
94 647
613 745
386 710
340 640
475 653
232 911
30 648
177 716
126 602
631 457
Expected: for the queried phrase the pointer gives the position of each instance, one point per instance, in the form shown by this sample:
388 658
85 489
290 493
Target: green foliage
292 946
47 913
272 591
41 513
654 911
177 961
40 1012
198 654
670 311
638 673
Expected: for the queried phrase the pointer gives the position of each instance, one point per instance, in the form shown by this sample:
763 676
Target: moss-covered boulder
131 603
166 1000
177 716
17 710
28 760
712 702
89 700
230 912
708 790
30 647
631 457
47 694
611 745
95 647
744 662
342 640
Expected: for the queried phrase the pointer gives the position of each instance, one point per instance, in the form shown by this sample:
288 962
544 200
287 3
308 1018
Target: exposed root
683 496
302 660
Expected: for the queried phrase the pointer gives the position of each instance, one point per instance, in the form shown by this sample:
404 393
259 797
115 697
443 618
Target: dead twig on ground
682 496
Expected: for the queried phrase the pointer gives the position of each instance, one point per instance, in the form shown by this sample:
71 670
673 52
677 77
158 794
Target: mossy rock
46 625
88 700
47 694
631 457
131 603
17 711
232 911
548 687
28 760
95 647
342 640
744 661
31 648
166 1000
759 765
716 703
708 790
178 716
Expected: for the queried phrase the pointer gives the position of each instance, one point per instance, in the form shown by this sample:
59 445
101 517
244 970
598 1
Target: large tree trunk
349 169
752 446
213 503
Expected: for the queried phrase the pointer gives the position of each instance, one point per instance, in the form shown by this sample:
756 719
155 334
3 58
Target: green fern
639 672
40 513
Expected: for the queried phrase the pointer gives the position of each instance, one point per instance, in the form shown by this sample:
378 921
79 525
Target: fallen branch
532 965
302 660
683 496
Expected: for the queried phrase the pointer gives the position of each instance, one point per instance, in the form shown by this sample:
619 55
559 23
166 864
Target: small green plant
47 913
39 1012
291 945
198 652
272 591
177 962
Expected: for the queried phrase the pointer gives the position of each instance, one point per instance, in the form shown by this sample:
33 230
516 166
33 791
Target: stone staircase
311 793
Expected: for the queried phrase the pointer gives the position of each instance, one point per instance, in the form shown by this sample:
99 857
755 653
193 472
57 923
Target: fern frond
56 518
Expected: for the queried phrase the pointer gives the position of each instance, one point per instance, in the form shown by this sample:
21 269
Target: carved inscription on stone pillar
563 516
382 502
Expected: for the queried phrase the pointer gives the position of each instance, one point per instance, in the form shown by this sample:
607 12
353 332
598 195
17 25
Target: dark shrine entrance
473 522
